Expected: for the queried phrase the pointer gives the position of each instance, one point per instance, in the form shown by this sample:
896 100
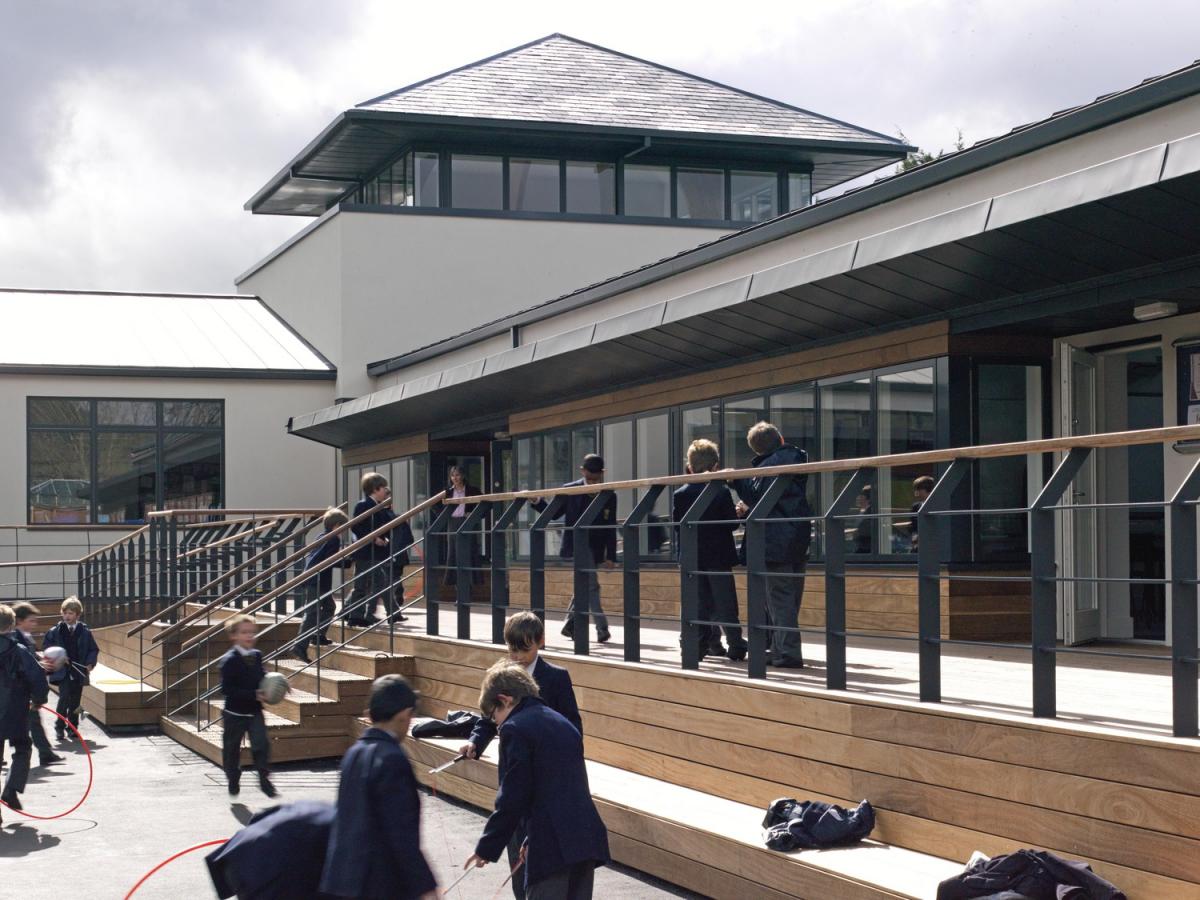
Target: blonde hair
763 437
232 623
702 455
7 619
506 678
333 518
72 603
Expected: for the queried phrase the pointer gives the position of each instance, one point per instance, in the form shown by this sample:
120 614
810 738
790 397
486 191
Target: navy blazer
323 580
86 650
603 541
279 855
375 846
717 550
22 682
554 685
240 678
786 542
544 783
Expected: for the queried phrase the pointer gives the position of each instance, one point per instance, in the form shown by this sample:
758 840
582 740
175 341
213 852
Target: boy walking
786 542
25 614
525 635
318 616
375 846
717 555
241 673
82 652
371 567
22 684
601 542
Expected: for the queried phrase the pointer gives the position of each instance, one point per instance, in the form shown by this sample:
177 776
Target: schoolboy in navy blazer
375 845
544 784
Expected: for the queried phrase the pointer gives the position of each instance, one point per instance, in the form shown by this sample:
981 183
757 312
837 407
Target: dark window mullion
562 187
729 196
674 192
504 199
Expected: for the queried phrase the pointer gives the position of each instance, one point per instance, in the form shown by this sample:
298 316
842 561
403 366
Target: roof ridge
471 65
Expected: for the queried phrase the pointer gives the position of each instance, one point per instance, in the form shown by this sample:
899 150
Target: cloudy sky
134 130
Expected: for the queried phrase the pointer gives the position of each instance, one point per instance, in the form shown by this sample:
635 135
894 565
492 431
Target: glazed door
1079 600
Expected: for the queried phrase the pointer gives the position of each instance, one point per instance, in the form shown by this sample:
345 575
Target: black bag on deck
1034 874
794 825
459 723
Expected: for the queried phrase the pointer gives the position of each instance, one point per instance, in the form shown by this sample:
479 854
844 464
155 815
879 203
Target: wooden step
289 742
315 713
116 700
326 681
686 825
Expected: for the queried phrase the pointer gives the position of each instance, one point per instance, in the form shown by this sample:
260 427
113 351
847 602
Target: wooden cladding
390 449
893 348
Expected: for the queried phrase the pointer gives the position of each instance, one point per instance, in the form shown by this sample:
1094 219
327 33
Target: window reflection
701 193
648 191
533 185
591 188
905 407
477 182
753 195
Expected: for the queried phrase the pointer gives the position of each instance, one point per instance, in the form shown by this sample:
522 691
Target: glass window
126 412
191 470
698 422
701 193
59 411
477 182
60 477
753 196
533 185
648 191
558 466
740 414
583 442
425 179
846 434
192 414
126 475
653 458
794 413
905 418
799 190
592 188
1009 404
617 449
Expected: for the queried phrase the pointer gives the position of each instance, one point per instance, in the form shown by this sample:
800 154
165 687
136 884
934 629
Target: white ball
57 657
274 687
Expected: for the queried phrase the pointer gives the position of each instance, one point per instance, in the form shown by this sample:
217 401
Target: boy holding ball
241 674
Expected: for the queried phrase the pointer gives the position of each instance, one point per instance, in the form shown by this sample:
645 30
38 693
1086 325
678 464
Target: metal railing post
631 565
537 556
433 567
585 568
464 576
835 578
499 567
757 577
172 558
689 581
1044 586
1184 633
930 545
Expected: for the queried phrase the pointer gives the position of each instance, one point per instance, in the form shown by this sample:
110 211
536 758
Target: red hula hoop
91 775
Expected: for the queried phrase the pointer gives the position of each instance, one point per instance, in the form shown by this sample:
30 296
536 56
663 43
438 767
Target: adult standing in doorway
787 543
459 488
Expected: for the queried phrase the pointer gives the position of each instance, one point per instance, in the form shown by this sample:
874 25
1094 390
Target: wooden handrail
256 580
342 554
229 539
919 458
108 547
187 513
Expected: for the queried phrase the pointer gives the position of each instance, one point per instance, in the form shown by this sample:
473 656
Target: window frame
94 429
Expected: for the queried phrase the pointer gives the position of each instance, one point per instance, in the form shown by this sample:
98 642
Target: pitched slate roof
563 80
218 334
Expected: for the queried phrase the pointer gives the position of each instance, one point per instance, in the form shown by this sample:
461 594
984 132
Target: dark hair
24 610
507 678
390 694
371 482
593 463
763 437
924 483
524 630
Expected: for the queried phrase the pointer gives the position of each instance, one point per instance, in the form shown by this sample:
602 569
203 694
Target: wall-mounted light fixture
1159 309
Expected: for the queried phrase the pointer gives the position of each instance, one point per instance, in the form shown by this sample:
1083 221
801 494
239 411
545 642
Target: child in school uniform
241 673
525 635
26 614
718 555
22 684
543 783
375 846
319 586
82 652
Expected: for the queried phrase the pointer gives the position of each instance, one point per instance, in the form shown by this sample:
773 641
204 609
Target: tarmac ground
152 798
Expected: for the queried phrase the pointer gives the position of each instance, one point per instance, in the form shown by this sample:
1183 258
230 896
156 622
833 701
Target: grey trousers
18 772
593 603
785 588
718 603
571 883
235 727
369 589
38 732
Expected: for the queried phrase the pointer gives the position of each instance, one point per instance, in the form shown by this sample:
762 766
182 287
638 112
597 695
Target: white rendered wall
410 280
264 466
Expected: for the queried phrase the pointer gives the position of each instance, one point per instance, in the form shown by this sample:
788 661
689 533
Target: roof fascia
1113 109
170 372
310 149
